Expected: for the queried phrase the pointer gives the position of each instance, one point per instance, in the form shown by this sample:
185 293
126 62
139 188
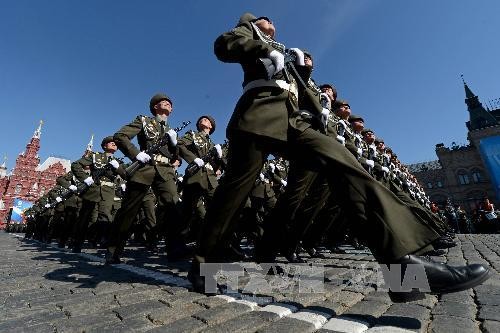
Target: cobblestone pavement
46 289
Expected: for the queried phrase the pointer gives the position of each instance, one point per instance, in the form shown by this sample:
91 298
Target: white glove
58 199
272 166
261 176
278 61
114 164
325 101
284 182
173 136
300 56
370 163
385 169
199 162
219 150
360 151
88 181
341 139
47 206
324 116
123 186
143 157
73 188
180 179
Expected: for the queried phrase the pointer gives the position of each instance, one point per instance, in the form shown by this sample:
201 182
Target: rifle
209 157
160 146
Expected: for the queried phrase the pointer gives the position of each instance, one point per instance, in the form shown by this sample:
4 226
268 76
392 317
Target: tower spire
4 164
468 92
38 131
90 145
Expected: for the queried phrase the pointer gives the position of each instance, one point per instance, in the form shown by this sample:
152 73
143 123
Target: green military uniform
198 188
100 194
158 174
264 120
71 207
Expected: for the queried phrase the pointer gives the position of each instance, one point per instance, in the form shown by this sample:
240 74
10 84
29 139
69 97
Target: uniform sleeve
239 46
124 136
78 167
183 145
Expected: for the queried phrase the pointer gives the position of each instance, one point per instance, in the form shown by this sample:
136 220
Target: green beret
106 140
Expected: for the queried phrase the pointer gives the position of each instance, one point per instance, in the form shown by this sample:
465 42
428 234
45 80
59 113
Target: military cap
354 117
338 103
379 140
307 53
366 130
212 121
157 99
247 17
106 140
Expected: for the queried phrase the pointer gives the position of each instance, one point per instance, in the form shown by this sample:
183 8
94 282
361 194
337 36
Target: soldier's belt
160 159
105 183
271 83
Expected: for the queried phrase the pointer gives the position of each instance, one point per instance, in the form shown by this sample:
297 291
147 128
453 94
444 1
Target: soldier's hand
219 150
272 167
370 163
123 186
173 136
325 101
360 151
73 188
385 169
300 56
47 206
114 164
261 176
341 139
58 199
324 116
88 181
199 162
284 182
143 157
278 61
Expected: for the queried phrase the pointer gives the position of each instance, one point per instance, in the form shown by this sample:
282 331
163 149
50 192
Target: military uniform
198 189
263 121
99 195
157 174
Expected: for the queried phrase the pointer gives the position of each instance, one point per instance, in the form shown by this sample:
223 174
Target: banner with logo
18 208
490 151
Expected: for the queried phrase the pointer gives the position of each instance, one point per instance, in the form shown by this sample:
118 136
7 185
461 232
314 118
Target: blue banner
18 208
490 151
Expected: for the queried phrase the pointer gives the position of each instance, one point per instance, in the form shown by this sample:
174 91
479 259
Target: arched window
439 183
18 189
476 176
429 185
463 178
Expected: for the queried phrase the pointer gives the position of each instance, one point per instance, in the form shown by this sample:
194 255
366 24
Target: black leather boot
441 278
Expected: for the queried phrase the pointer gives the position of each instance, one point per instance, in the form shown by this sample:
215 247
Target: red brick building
29 179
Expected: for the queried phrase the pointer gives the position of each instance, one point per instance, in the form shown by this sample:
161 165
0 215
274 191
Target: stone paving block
137 309
463 310
380 296
186 325
460 297
245 323
407 316
209 302
345 325
81 323
303 299
221 313
490 326
488 299
289 325
441 324
164 316
370 309
31 318
489 312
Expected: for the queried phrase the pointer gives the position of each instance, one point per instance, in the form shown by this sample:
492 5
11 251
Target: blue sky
91 66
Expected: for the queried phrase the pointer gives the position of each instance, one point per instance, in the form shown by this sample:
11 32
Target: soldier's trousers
168 212
388 227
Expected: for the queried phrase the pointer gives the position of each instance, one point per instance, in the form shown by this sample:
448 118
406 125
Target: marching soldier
199 187
100 190
156 172
260 125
